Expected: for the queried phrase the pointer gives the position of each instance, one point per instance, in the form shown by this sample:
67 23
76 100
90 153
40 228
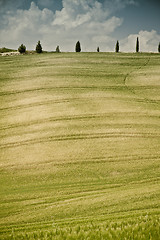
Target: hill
4 50
79 146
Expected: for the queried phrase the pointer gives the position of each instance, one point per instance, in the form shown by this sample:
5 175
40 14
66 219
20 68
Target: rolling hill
80 146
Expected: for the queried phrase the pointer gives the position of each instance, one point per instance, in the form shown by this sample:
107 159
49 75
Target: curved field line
130 73
103 88
36 104
79 137
65 100
131 89
91 160
108 125
75 117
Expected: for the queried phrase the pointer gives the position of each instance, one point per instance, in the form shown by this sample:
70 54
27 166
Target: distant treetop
117 47
22 49
57 49
39 47
78 47
137 45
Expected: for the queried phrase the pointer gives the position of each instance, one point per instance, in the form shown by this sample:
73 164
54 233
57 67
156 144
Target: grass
79 146
142 229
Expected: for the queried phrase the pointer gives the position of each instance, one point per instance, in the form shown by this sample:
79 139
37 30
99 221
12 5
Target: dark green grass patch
142 228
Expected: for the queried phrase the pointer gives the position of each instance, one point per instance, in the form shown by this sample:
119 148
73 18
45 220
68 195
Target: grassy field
80 146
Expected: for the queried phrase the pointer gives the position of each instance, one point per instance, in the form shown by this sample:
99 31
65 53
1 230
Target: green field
80 146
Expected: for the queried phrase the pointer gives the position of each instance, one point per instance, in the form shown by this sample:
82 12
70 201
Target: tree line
22 48
137 46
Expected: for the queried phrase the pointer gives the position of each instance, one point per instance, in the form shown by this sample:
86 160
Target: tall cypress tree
159 47
117 47
137 45
39 47
78 47
57 49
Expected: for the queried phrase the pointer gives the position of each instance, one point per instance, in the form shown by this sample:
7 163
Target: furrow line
62 88
78 137
76 117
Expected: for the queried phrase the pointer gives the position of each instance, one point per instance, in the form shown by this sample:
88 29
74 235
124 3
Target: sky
95 23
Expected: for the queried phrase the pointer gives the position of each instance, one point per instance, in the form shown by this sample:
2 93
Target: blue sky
93 22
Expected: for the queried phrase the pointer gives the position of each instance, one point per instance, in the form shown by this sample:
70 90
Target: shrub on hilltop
22 48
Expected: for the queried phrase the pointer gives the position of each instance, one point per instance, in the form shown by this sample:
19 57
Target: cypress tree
78 47
98 49
117 47
39 47
22 48
137 45
159 47
57 49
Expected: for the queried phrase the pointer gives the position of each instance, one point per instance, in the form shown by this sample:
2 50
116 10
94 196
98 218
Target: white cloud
148 42
75 13
25 26
77 20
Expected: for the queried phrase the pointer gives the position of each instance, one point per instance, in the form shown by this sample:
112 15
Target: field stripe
80 137
133 88
80 99
111 115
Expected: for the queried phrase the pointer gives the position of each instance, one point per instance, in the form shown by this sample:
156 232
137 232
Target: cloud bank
91 22
148 42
